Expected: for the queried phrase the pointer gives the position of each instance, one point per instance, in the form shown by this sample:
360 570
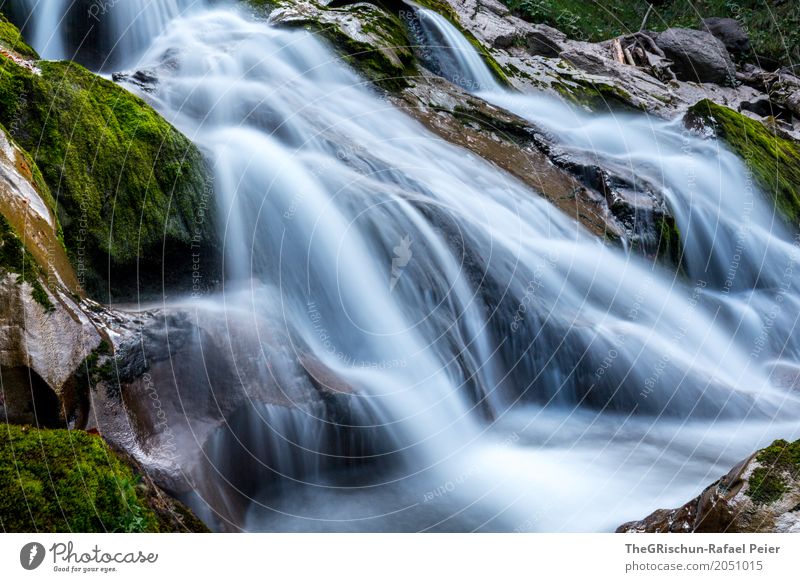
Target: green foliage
67 481
779 462
773 27
583 20
14 258
773 160
11 39
126 181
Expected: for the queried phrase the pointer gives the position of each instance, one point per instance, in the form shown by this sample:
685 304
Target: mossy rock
128 185
380 50
595 96
70 481
773 160
11 39
779 464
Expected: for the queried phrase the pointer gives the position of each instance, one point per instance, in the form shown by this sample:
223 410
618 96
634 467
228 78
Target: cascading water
45 26
100 33
735 245
518 374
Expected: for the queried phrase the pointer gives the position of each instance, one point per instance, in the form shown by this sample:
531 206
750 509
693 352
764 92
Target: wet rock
368 37
730 32
510 143
45 333
771 155
697 55
760 494
146 81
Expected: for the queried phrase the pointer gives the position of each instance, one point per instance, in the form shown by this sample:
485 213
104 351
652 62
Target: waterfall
521 374
734 244
99 33
46 20
135 24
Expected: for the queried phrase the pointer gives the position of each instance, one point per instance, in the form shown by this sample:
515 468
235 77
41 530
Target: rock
184 377
731 33
45 335
146 81
509 142
41 350
760 494
773 159
117 148
368 37
697 55
545 40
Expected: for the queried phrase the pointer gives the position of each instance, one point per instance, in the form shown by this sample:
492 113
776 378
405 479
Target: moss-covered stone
778 464
670 247
773 160
126 182
370 39
11 39
595 96
67 481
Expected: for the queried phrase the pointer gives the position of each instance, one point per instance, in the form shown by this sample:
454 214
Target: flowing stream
517 373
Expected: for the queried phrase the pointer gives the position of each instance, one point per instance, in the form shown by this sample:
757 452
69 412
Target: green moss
781 454
67 481
11 39
670 249
773 160
765 486
779 463
125 180
14 258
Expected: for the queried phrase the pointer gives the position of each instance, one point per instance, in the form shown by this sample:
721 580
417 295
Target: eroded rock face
697 55
760 494
43 349
45 334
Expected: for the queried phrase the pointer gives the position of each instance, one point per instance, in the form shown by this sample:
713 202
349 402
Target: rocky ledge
760 494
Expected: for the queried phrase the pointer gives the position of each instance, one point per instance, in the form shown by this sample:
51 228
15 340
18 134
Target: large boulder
730 32
697 55
773 159
130 188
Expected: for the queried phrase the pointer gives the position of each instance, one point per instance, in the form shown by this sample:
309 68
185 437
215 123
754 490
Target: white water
126 26
136 23
401 262
47 22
